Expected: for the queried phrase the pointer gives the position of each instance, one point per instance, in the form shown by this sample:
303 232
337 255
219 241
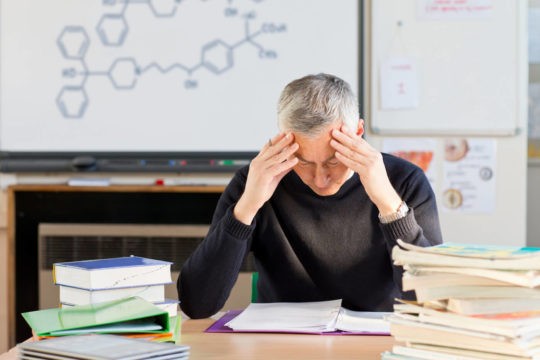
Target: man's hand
355 153
266 170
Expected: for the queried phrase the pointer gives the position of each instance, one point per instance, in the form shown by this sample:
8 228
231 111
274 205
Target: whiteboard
161 75
465 58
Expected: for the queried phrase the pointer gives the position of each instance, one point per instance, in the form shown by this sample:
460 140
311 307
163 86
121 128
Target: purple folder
219 327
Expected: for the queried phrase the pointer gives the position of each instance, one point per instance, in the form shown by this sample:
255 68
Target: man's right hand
266 170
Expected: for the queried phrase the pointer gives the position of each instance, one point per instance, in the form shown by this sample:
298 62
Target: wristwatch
400 213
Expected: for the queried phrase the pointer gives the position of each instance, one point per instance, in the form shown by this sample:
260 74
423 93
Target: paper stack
473 302
94 281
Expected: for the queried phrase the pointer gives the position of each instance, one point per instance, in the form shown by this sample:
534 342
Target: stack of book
95 281
473 302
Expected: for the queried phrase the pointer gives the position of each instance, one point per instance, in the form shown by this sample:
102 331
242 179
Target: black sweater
309 247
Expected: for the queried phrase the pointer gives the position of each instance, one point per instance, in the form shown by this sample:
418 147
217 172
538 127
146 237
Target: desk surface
226 346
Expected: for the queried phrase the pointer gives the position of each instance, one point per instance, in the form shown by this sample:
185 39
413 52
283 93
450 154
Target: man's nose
321 176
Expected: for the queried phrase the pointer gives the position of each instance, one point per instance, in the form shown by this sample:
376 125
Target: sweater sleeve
420 226
207 277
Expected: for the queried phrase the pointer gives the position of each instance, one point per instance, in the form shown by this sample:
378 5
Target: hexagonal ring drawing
163 8
72 101
123 73
217 56
73 42
112 29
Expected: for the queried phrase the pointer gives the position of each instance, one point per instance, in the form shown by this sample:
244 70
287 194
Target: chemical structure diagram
216 56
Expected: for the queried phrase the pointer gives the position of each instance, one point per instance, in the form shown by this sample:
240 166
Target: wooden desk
226 346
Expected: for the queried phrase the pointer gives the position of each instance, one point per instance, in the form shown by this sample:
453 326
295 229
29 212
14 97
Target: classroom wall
507 225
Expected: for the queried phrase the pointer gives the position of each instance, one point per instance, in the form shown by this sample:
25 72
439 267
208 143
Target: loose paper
399 83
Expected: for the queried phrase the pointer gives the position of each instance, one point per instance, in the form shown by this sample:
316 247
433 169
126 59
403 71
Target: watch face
400 213
403 209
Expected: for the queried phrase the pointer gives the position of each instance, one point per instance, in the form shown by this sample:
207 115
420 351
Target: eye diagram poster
161 75
469 175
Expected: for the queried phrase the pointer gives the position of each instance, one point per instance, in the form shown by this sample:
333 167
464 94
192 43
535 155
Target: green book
129 315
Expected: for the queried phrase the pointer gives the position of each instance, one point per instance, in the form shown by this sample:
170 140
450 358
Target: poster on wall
419 151
469 175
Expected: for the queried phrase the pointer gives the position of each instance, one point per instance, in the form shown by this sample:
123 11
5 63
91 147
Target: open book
306 317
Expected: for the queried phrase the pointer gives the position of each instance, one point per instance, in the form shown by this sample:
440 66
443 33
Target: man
319 208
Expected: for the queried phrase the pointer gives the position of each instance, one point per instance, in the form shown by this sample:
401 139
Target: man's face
317 166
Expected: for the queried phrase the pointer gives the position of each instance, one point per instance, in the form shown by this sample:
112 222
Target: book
308 317
413 281
477 306
428 293
473 302
415 332
430 352
517 324
168 305
525 278
491 252
101 347
78 296
129 315
473 256
112 273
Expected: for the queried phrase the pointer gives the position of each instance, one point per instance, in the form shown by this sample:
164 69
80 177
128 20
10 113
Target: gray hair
310 104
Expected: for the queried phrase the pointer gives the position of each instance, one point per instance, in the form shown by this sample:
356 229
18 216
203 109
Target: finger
279 143
283 156
355 143
347 151
281 169
351 164
347 139
273 140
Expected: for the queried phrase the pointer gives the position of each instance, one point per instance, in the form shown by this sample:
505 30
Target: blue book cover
113 263
112 273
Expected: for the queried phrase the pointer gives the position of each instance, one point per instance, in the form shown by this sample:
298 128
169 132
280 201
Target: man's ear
360 129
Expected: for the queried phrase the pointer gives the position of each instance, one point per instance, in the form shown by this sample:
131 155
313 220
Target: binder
128 315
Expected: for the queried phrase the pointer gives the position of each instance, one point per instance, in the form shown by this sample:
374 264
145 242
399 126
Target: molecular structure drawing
216 56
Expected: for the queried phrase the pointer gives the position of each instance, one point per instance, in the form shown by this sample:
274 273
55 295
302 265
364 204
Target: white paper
534 111
419 151
453 9
308 317
363 321
399 83
534 35
316 316
469 175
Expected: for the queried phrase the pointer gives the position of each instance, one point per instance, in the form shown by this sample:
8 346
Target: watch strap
400 213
